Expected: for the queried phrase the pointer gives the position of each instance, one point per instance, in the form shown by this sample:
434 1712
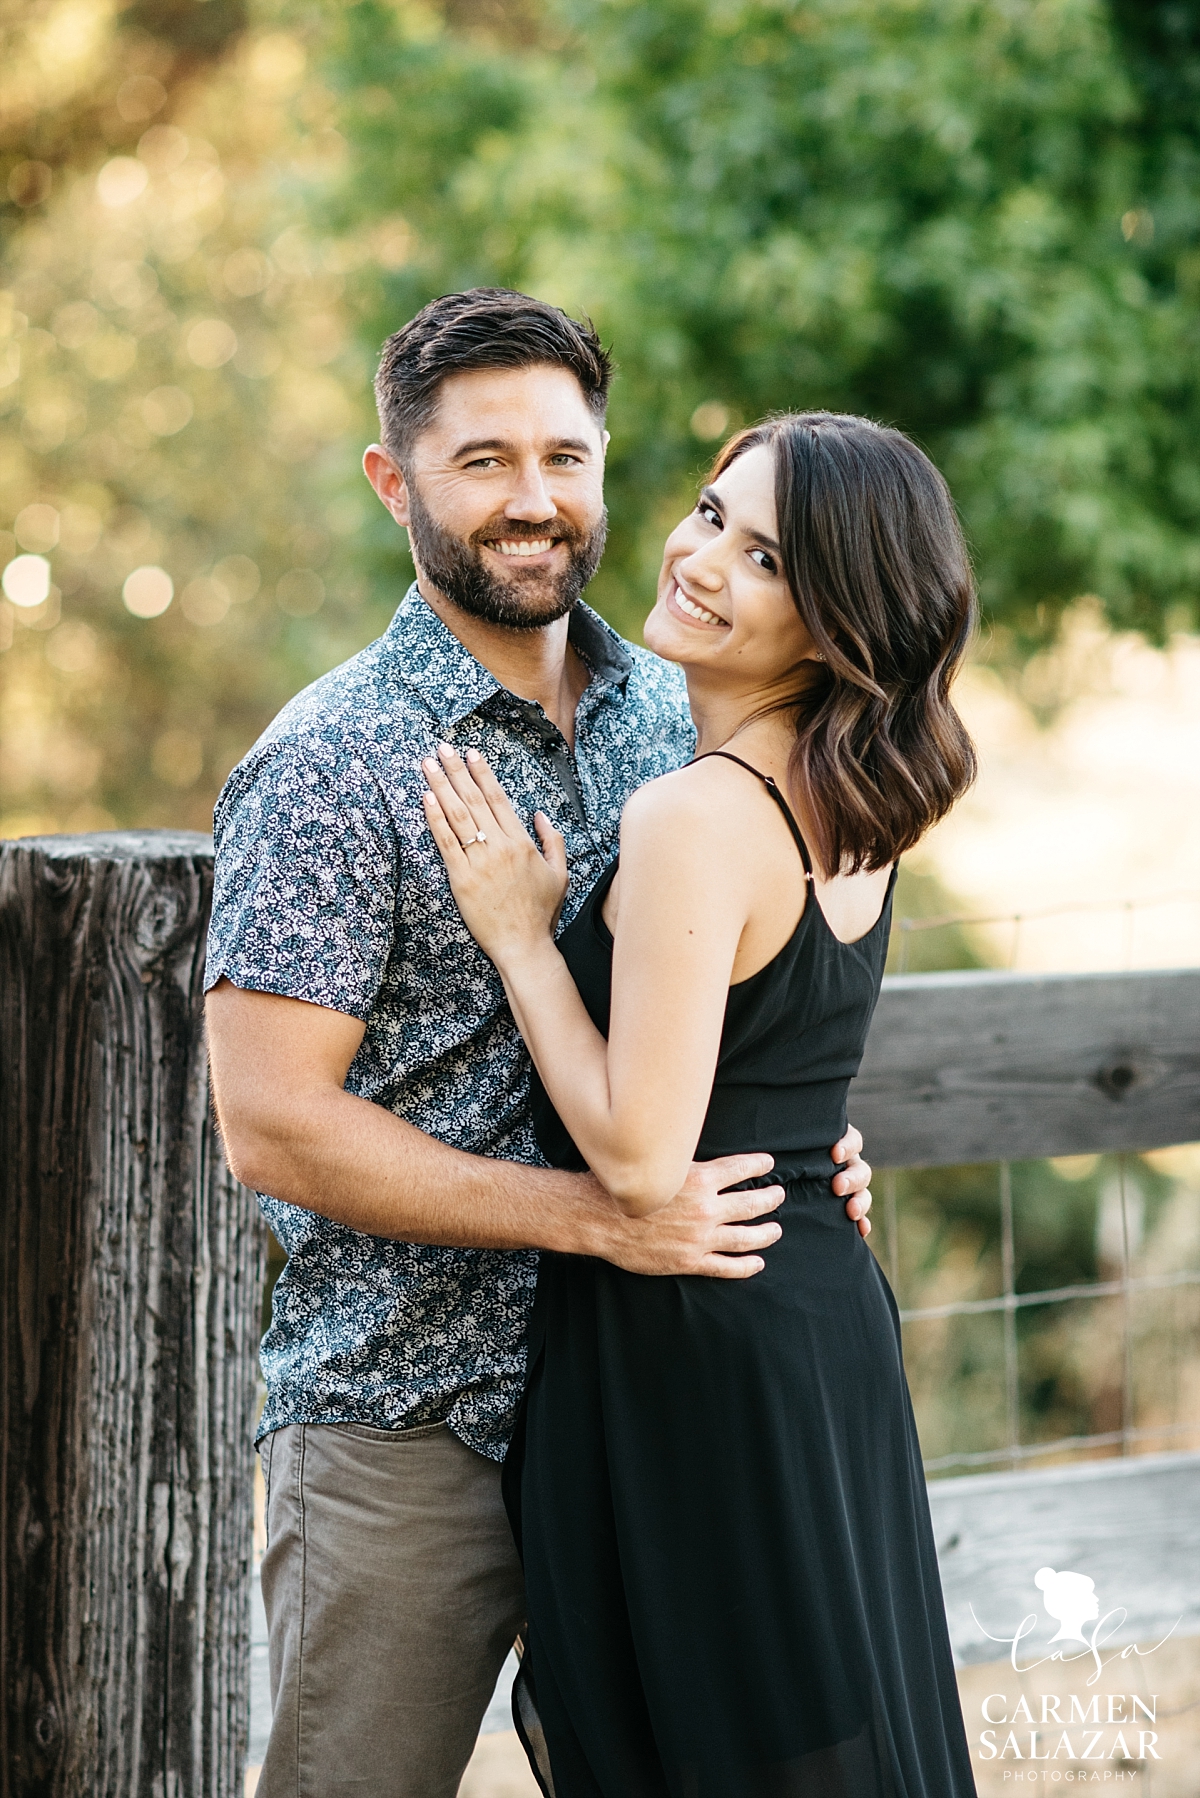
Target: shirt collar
429 658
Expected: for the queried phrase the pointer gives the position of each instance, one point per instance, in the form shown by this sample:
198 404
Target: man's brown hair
486 327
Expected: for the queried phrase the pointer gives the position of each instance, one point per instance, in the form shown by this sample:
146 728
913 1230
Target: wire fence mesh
996 1386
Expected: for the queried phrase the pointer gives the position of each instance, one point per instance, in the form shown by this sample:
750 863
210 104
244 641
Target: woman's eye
709 514
765 560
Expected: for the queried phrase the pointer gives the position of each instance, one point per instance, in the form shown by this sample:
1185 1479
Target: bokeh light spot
148 592
205 601
36 527
140 98
239 576
129 284
277 62
710 421
166 410
162 148
246 272
73 648
211 343
26 581
121 180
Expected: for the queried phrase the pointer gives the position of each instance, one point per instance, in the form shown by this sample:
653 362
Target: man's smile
523 546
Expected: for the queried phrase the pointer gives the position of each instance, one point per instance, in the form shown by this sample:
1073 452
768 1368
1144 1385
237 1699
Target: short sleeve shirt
330 889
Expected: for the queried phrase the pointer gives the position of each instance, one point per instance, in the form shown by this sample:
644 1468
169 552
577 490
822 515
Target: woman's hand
509 892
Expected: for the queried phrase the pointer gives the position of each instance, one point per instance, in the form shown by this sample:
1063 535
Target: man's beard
456 567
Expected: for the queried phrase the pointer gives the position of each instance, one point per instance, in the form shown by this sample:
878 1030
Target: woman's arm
635 1104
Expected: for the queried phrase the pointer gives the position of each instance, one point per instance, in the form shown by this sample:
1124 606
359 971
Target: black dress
716 1485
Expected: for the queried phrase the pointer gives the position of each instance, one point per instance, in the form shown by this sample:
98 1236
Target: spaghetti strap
776 795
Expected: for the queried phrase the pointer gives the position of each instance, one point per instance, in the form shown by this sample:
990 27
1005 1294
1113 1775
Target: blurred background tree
980 223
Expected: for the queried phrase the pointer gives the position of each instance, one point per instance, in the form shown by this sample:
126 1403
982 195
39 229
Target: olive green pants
393 1594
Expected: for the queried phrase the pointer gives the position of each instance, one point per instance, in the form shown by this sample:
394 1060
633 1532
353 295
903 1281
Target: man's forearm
357 1163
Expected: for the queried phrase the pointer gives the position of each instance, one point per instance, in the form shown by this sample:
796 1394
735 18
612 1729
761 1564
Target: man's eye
484 462
565 461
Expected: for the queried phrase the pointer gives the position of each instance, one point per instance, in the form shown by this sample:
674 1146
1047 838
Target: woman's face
723 602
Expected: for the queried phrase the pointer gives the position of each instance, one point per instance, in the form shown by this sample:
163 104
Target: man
367 1072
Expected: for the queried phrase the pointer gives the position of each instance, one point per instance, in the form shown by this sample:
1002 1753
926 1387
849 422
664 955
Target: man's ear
387 478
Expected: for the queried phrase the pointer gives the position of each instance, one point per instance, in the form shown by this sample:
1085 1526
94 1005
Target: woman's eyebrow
710 498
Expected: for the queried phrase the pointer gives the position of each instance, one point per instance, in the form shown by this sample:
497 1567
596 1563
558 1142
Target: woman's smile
691 610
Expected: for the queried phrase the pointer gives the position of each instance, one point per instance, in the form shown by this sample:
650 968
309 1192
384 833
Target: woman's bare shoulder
697 829
709 795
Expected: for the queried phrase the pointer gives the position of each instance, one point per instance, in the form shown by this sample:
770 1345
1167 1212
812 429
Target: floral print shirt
330 889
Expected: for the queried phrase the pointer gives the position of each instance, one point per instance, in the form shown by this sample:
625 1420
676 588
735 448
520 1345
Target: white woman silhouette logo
1070 1598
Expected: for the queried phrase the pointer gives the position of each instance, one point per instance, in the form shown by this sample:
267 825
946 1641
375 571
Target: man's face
503 495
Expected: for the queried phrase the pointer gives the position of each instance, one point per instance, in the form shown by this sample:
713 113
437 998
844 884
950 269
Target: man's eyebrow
711 498
475 448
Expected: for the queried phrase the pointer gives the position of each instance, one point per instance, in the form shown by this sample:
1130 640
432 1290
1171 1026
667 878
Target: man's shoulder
353 717
349 704
658 686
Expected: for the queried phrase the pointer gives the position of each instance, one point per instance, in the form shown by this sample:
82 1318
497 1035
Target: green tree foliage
978 221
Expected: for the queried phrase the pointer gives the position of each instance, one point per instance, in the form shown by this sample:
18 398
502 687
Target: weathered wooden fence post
129 1295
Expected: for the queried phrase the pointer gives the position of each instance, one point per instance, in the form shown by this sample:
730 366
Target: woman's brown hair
880 575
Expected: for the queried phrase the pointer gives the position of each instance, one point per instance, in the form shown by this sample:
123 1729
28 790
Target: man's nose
531 500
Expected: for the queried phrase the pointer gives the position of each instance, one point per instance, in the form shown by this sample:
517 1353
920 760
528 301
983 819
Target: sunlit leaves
171 362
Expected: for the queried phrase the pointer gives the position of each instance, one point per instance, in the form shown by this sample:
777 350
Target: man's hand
708 1230
853 1181
704 1230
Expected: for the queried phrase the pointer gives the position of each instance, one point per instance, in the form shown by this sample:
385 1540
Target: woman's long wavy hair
880 574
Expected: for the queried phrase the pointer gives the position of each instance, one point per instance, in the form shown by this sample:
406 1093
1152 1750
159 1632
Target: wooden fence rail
970 1067
132 1269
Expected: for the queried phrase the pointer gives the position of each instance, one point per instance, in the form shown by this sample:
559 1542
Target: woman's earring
818 656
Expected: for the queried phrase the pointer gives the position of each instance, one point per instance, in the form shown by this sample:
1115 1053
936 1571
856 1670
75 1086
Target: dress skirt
717 1491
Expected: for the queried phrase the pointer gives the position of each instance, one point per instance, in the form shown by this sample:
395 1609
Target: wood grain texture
1131 1525
970 1067
129 1288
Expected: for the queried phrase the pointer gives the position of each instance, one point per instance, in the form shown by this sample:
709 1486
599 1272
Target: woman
716 1486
